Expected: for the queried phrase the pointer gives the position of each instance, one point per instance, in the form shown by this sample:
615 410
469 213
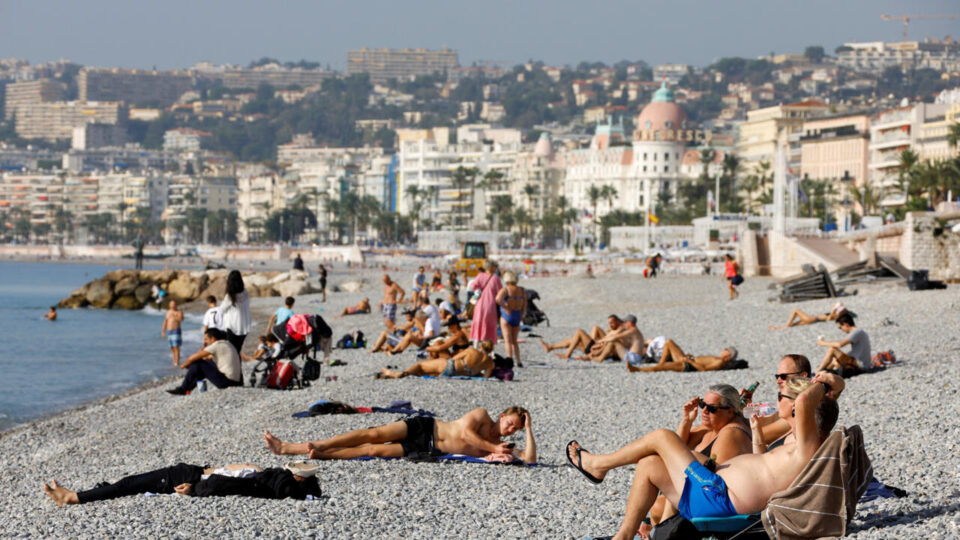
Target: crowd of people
729 464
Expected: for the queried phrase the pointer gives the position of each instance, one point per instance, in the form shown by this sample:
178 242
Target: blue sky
178 33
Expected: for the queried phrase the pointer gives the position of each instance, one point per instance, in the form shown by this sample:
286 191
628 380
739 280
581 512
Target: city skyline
556 32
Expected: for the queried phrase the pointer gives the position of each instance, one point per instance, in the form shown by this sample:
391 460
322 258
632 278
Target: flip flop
579 464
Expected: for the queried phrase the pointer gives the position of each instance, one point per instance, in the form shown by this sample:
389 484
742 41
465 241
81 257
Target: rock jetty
133 289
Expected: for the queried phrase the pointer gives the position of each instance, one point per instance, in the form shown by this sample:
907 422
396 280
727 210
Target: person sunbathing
674 359
722 434
625 343
470 362
582 340
362 306
457 341
388 339
474 434
296 480
799 318
742 485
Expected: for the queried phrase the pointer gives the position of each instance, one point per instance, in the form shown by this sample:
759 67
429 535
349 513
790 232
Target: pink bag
298 327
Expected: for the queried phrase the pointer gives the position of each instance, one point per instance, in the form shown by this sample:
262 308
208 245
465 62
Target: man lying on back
474 434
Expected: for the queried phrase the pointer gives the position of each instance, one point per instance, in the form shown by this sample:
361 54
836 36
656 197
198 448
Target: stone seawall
133 289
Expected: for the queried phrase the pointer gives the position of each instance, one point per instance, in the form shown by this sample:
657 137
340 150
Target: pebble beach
907 413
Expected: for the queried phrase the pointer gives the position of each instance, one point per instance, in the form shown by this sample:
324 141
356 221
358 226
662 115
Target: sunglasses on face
712 409
781 396
785 376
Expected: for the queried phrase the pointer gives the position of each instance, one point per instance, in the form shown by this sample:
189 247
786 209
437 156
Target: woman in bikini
469 362
512 301
799 318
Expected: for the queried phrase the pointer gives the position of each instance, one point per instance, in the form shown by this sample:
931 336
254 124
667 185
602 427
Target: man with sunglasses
743 485
771 431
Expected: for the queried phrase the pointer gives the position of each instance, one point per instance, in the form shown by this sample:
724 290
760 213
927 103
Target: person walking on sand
485 313
171 330
732 274
322 271
392 295
52 314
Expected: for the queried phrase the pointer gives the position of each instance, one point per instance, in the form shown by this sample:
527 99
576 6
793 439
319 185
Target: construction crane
907 18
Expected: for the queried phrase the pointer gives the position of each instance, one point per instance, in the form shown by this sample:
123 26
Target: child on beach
171 330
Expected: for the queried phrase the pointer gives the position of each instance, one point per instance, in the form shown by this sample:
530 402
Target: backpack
311 370
281 375
345 342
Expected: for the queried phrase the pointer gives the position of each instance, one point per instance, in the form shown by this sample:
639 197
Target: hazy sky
178 33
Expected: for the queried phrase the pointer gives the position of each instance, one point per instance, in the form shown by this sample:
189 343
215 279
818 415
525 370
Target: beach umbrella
529 261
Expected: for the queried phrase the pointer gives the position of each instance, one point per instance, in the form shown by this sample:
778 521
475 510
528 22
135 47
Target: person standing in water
171 330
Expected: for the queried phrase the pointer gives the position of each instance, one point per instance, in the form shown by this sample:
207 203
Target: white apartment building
876 56
429 163
891 132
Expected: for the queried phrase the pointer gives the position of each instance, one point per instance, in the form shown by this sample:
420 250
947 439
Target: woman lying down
295 480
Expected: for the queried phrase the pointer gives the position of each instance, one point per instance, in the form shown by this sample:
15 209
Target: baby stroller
299 337
534 314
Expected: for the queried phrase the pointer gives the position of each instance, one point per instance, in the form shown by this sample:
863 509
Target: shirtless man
362 306
171 330
425 329
742 485
52 314
625 343
452 344
582 340
392 295
474 434
469 362
674 359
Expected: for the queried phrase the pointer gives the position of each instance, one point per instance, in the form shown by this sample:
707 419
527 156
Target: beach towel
823 497
325 407
459 377
454 457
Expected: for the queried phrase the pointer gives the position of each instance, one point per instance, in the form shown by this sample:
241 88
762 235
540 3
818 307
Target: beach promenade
908 415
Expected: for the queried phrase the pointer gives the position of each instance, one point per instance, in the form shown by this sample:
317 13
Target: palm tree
462 179
594 194
122 207
609 193
416 196
530 190
731 168
953 135
706 158
906 170
63 221
500 208
867 197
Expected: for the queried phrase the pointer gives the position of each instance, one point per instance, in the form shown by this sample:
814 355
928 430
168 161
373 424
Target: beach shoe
579 464
177 391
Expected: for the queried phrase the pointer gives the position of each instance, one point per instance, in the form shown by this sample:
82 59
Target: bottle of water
202 386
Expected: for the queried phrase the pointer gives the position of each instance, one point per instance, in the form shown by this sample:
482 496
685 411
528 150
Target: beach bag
882 358
281 375
674 528
311 370
345 342
736 280
298 327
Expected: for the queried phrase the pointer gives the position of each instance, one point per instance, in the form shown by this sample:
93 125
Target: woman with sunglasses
722 434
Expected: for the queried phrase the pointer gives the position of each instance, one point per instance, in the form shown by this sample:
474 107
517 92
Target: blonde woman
512 301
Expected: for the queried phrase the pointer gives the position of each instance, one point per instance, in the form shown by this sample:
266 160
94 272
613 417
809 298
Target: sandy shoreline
599 405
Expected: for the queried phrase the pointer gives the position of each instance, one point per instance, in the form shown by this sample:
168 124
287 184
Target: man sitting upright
742 485
217 362
474 434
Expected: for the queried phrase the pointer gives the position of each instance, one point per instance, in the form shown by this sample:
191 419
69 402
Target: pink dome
661 116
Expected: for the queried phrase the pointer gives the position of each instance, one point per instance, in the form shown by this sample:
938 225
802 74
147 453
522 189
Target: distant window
648 124
666 156
644 168
666 168
668 123
644 156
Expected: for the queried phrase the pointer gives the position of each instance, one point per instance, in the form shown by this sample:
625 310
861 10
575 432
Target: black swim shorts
419 436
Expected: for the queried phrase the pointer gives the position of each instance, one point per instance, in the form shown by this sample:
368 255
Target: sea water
86 354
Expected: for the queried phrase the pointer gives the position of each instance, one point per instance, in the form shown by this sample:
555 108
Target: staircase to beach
832 254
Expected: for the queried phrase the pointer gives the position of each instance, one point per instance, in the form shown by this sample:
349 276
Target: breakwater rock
133 289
